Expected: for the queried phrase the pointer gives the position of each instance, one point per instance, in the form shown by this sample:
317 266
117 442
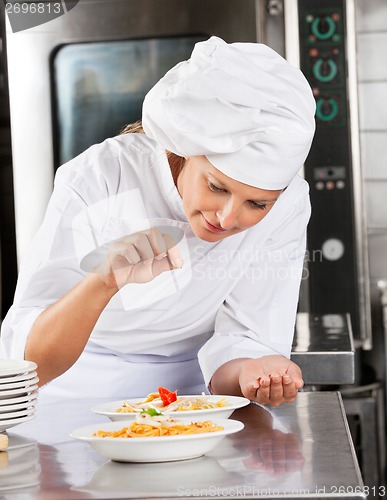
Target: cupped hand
139 258
270 380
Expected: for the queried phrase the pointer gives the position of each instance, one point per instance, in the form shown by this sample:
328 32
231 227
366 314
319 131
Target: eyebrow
221 184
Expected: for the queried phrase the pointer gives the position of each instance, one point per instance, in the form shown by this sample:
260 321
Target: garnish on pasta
147 425
157 400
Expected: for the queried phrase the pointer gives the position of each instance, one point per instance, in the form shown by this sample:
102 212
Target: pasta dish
171 402
148 425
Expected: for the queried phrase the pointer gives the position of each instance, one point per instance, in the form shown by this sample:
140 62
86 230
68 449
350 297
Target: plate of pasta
168 402
156 437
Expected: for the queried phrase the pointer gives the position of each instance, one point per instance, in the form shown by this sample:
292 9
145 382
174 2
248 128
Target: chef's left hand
270 380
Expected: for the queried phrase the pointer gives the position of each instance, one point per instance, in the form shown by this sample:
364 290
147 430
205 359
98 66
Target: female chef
174 257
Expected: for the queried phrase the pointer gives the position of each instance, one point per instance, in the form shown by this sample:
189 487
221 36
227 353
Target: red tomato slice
167 397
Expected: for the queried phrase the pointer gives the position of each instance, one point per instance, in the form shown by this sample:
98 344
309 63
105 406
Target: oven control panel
331 234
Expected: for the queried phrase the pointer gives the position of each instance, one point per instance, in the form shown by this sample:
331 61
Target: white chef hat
241 105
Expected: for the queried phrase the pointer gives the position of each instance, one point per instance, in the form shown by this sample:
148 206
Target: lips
211 227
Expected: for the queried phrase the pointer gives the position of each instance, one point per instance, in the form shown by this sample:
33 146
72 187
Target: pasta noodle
146 426
183 403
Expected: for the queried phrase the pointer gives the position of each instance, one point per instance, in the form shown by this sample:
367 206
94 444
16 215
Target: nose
228 214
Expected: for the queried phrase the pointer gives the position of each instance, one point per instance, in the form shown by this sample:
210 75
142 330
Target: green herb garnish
152 412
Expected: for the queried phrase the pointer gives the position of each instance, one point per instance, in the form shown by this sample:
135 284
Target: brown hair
133 128
176 163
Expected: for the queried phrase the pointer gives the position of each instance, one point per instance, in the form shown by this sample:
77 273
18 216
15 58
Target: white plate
20 399
234 402
18 406
22 391
17 378
19 385
16 414
154 449
15 367
7 424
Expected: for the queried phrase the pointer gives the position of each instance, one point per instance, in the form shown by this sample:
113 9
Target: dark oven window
98 88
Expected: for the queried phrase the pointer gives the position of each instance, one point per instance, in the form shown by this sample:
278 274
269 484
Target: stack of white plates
18 392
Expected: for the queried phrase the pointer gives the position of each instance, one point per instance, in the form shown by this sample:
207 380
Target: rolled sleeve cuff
15 330
218 351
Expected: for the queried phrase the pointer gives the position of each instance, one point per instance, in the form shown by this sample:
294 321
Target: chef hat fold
241 105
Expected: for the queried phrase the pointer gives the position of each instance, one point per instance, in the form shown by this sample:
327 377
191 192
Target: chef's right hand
139 258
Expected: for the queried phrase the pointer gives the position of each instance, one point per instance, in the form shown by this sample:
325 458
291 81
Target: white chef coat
233 298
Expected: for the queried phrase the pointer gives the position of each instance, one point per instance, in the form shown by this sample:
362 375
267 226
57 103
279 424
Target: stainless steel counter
323 348
298 450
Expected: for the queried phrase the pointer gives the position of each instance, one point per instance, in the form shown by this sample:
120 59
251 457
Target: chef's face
216 205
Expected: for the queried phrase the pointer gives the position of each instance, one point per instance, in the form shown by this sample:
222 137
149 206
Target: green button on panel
325 71
330 27
326 109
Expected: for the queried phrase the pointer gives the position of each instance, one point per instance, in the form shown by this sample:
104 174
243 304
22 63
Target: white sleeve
50 267
258 317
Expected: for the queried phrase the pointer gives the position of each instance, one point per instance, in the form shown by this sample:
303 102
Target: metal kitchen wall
371 35
371 38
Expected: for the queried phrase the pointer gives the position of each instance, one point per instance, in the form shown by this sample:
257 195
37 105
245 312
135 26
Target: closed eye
262 205
214 188
259 206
